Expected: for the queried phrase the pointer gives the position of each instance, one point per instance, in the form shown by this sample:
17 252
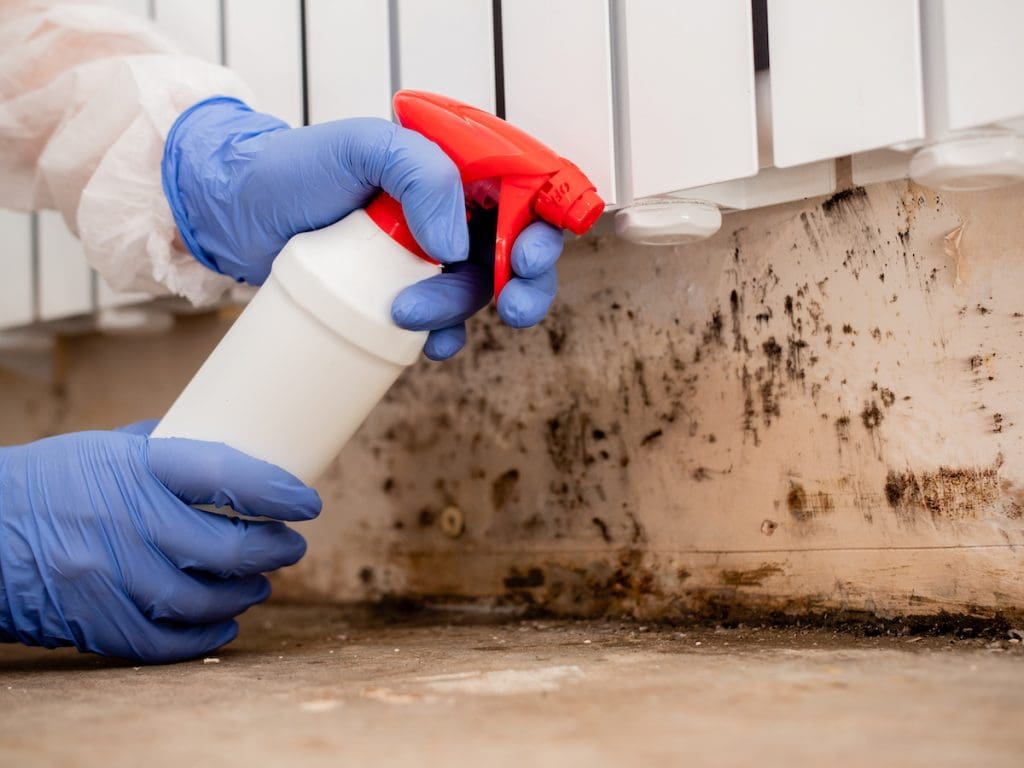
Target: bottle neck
386 213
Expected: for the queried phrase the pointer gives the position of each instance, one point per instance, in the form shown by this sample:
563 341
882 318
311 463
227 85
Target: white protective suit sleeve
87 95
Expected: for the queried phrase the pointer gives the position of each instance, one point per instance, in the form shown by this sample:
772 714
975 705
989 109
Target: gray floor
307 685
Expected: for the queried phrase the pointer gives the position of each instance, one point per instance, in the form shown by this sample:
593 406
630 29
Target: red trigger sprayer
316 346
500 165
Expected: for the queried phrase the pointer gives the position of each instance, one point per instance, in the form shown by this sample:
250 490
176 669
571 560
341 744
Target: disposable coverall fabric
87 95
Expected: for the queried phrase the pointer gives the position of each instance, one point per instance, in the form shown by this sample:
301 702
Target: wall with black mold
814 411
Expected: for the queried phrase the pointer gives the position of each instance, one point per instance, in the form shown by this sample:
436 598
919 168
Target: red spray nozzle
532 182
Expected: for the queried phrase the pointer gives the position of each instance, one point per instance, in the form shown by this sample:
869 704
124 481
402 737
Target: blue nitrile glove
240 184
100 549
441 304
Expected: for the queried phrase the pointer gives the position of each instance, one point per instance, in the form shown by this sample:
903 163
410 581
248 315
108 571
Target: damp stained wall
818 409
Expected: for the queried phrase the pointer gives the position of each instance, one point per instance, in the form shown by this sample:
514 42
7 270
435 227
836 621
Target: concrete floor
312 686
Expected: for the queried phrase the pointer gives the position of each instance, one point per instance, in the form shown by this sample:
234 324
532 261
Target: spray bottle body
312 353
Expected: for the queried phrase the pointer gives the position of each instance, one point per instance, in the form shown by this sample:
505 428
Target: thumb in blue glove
100 548
241 183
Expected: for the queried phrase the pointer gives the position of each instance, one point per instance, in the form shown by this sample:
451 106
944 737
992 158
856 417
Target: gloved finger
525 301
426 182
143 427
133 636
225 546
537 249
444 300
446 342
199 472
161 643
167 594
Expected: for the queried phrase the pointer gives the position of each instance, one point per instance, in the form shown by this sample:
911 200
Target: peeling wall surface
817 410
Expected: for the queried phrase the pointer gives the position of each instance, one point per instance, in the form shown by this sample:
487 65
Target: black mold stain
736 310
794 361
556 339
638 535
809 230
835 204
533 578
950 493
888 397
505 489
638 373
749 413
871 417
772 351
602 526
711 337
650 437
843 428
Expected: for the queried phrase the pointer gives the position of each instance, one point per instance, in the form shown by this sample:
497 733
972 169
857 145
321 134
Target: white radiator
649 97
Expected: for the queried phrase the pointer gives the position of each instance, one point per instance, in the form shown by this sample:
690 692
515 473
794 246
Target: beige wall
818 409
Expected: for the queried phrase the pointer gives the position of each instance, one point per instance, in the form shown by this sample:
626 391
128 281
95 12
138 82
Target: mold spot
751 578
796 501
843 428
871 417
505 489
843 200
805 506
516 579
556 339
602 526
650 437
772 350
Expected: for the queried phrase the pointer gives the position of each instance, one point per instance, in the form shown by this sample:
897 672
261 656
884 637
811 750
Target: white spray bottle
316 349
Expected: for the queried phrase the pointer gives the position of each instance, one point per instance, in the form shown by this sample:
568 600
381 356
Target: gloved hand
240 184
100 549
